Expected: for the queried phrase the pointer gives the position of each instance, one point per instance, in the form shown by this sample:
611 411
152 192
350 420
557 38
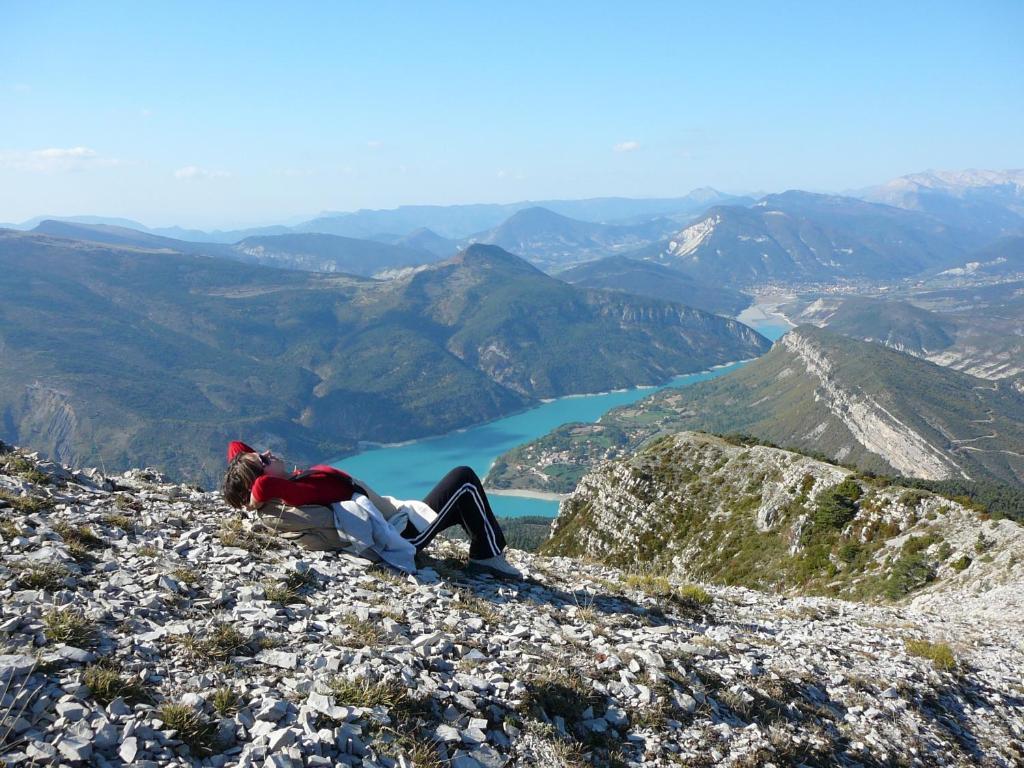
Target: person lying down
325 509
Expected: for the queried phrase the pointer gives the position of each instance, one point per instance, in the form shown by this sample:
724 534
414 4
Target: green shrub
910 572
961 563
838 505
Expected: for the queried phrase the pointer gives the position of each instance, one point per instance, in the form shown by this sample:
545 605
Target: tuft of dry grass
360 632
225 701
234 533
289 589
25 504
124 522
66 625
48 576
79 539
222 642
189 726
939 654
106 684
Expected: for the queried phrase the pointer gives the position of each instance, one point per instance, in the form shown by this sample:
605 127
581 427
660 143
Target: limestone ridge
766 518
144 624
855 402
871 423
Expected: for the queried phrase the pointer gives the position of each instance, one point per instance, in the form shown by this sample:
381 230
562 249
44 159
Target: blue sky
223 114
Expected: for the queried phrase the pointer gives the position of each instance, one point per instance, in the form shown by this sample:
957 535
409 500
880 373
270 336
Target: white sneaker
498 565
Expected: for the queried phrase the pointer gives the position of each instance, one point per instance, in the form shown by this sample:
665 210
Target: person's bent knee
464 474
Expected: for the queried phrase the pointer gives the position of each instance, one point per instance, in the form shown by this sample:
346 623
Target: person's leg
459 499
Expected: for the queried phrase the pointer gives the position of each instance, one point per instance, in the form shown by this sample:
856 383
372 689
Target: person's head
243 472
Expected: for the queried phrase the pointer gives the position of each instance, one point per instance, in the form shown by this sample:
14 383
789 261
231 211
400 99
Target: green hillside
646 278
130 357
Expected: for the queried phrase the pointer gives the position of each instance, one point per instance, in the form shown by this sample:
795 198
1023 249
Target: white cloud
190 172
22 87
375 144
626 146
55 159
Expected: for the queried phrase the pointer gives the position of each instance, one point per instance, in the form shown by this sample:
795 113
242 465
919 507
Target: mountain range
989 202
851 401
131 356
987 341
803 237
551 240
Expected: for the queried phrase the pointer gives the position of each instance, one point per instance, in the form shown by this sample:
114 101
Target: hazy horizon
238 115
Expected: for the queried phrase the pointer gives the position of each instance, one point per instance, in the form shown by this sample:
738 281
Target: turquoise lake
410 470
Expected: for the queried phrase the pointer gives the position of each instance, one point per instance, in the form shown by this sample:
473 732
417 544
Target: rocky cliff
144 623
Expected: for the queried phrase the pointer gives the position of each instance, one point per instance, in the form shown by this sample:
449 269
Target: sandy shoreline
526 494
765 310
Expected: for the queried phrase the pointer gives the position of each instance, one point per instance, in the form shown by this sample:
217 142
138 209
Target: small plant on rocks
694 594
48 576
106 684
221 643
185 575
225 701
940 654
66 625
25 504
288 590
365 693
80 540
9 529
124 522
127 502
361 632
233 533
190 726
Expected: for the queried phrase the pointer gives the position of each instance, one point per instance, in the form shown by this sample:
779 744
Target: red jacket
320 484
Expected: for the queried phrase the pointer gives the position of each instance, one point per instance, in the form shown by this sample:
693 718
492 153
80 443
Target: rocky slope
853 401
762 517
144 624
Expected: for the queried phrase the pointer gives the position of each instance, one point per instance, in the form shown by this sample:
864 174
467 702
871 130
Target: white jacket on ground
376 537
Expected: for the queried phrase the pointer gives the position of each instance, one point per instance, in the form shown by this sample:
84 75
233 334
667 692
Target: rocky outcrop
763 517
144 623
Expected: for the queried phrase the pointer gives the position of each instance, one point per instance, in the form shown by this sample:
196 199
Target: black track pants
460 499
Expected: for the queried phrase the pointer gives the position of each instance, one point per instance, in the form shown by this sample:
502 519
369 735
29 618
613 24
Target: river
409 470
